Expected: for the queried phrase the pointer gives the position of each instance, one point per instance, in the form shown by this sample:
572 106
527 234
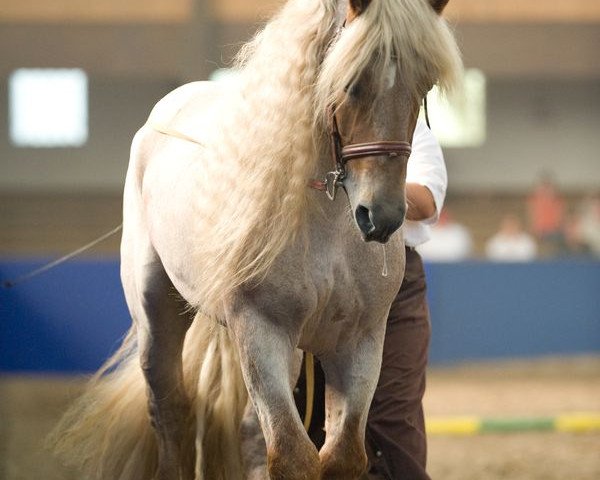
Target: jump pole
472 425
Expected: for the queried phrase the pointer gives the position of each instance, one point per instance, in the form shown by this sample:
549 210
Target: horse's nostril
363 219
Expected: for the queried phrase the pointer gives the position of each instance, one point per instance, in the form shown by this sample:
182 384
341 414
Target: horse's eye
354 90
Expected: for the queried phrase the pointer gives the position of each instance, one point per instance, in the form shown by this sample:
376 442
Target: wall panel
95 11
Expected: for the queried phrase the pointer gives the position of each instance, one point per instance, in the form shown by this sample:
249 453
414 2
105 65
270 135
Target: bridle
341 154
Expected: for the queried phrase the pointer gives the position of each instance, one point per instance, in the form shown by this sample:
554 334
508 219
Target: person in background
573 245
395 434
587 225
511 243
450 241
546 209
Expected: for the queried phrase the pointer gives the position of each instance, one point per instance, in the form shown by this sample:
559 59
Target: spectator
588 225
511 243
546 215
450 241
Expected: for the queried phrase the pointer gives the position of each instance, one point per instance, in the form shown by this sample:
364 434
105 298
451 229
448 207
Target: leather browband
389 148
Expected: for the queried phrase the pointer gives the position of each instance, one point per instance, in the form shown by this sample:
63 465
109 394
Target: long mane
253 197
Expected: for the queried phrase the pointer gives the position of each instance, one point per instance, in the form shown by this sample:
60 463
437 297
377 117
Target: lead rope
309 369
49 266
58 261
170 132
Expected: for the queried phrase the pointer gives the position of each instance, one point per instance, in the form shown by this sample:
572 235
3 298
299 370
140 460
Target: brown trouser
395 436
396 441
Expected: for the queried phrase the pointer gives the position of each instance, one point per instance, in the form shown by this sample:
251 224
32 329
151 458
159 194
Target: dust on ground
31 406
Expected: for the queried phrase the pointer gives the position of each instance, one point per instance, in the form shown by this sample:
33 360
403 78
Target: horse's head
375 109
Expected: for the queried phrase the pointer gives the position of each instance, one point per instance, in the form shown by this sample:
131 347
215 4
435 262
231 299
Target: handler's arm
421 204
426 178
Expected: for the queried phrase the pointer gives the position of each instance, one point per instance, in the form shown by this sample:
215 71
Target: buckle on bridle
333 180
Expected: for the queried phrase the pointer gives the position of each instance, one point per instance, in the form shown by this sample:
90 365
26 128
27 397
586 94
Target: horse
233 257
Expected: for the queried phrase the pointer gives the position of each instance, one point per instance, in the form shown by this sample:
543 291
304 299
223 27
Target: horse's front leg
267 356
351 377
254 450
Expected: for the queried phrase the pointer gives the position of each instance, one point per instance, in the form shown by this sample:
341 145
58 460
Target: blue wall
485 310
66 320
71 318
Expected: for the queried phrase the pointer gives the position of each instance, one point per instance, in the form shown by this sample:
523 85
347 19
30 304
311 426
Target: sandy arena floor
29 407
541 388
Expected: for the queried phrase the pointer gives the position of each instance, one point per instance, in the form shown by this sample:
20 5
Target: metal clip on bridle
332 182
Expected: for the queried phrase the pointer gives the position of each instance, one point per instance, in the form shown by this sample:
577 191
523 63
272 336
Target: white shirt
426 167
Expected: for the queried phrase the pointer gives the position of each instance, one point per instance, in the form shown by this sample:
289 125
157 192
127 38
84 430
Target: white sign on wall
48 107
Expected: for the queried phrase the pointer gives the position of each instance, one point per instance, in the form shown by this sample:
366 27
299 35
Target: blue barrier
67 320
483 310
71 318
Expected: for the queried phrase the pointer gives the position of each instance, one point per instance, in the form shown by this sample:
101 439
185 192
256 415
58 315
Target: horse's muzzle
375 225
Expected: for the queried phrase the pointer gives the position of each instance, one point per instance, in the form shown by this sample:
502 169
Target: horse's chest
347 307
361 285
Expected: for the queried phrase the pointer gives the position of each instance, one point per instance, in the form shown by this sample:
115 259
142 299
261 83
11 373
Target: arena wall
70 319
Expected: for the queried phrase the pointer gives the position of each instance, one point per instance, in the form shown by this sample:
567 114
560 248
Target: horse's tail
107 434
219 404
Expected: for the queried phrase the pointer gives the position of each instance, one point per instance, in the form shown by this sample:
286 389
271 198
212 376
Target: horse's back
188 110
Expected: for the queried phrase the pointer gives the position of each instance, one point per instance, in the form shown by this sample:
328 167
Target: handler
395 436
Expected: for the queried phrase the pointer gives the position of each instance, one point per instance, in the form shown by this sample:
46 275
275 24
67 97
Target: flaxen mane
266 148
263 153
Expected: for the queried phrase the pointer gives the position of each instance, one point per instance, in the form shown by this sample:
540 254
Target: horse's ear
439 5
358 6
